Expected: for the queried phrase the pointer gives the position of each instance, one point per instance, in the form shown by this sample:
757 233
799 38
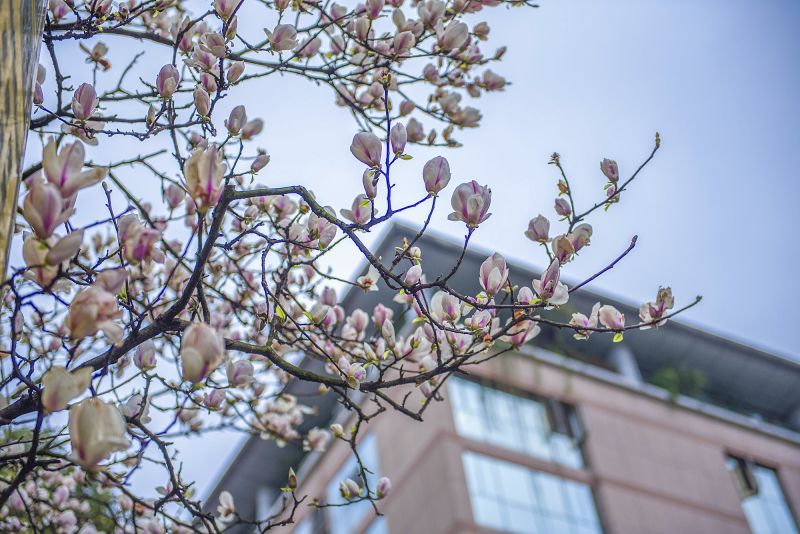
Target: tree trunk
21 23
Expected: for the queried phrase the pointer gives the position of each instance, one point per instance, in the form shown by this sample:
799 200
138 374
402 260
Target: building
561 437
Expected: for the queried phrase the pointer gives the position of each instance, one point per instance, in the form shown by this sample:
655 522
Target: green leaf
406 157
617 337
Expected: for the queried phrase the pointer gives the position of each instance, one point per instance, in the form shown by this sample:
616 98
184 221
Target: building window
347 519
546 429
762 498
512 498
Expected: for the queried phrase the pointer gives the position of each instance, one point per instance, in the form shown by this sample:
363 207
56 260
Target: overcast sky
715 211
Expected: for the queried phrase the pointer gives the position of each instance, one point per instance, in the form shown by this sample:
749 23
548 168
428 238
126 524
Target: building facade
673 430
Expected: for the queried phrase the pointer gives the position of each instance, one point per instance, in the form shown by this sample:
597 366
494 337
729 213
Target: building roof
738 378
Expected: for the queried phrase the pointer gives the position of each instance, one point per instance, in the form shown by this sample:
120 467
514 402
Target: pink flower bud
471 203
383 487
240 373
367 148
202 351
403 43
370 181
349 489
454 36
373 8
252 128
413 275
167 80
610 170
235 71
174 195
259 163
204 173
84 102
112 280
236 120
493 274
145 356
580 236
562 207
611 318
44 208
538 229
202 101
215 44
225 8
360 212
283 38
213 399
316 440
436 175
398 138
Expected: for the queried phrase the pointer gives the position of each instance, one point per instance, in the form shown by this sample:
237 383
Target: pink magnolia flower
316 440
138 241
369 282
354 373
112 280
522 332
653 311
493 274
283 37
202 102
471 203
611 318
94 309
370 181
581 322
321 229
360 212
84 102
65 248
44 208
413 275
235 71
225 8
310 47
548 287
61 386
403 42
454 36
236 120
538 229
252 128
414 130
202 351
373 8
145 356
204 172
96 429
445 307
436 175
214 43
563 248
167 80
174 195
383 487
260 162
63 169
610 170
580 236
213 399
562 207
349 489
240 373
226 508
367 148
398 138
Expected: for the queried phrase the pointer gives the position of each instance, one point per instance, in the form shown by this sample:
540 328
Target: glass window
512 498
548 430
345 519
763 501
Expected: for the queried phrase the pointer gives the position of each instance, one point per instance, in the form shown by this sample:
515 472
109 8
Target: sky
714 211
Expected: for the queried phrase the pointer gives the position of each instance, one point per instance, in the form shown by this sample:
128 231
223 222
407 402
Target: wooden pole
21 23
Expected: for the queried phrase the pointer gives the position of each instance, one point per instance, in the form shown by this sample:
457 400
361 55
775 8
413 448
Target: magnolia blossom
471 203
202 351
354 372
167 80
65 248
522 332
360 212
493 274
398 137
225 8
581 322
653 311
445 307
202 101
316 440
137 407
548 287
610 170
454 36
563 249
252 128
367 148
383 487
94 309
580 236
226 508
63 169
44 208
562 207
321 229
96 429
369 282
204 172
413 275
611 318
235 71
236 120
370 181
138 241
283 37
349 489
61 386
538 229
240 373
145 356
84 101
436 175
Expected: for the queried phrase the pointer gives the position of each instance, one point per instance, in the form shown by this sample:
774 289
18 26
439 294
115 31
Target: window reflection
763 501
